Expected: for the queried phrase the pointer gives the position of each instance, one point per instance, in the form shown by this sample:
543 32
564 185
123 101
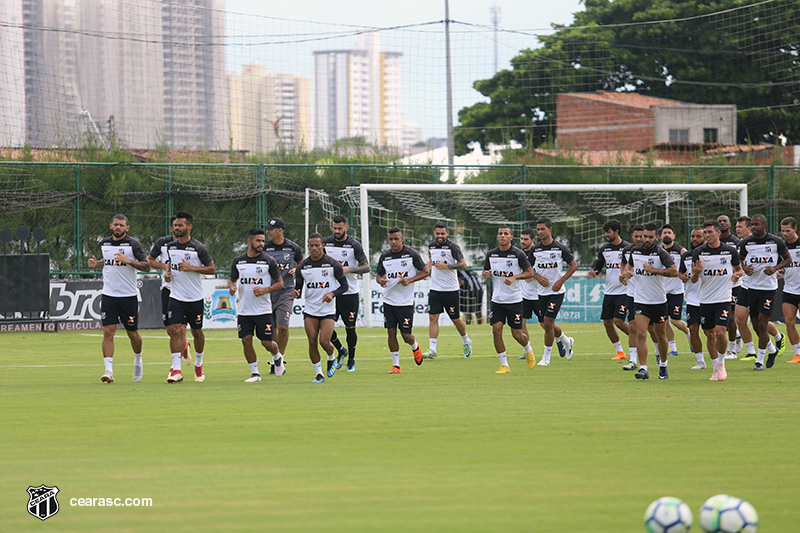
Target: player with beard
692 297
615 298
791 285
627 279
735 343
674 288
763 255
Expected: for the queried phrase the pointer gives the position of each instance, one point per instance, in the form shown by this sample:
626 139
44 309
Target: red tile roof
624 99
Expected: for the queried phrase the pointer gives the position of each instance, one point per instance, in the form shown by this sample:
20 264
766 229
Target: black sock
352 350
335 341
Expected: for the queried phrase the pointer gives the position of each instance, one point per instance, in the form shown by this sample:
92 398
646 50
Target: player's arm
429 265
598 265
232 286
461 265
525 274
338 274
208 270
697 267
142 265
421 274
298 283
573 266
361 268
786 259
154 263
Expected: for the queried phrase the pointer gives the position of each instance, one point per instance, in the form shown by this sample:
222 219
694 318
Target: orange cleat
619 356
395 370
795 360
418 355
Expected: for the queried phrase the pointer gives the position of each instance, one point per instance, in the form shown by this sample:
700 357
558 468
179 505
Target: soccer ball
733 515
668 515
708 511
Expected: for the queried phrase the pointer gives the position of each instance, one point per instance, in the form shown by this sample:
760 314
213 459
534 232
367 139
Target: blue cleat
319 379
340 359
332 368
351 365
562 351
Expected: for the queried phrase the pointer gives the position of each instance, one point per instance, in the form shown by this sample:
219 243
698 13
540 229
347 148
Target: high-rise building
358 93
12 75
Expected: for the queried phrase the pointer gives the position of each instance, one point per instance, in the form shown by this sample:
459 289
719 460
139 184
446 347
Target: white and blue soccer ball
668 515
708 511
730 515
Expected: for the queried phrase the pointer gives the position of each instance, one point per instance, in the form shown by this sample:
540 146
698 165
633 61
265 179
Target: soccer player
350 255
735 343
529 287
674 288
445 259
158 258
651 264
615 297
550 256
122 256
189 261
627 279
692 296
398 269
324 279
718 266
507 264
791 285
742 305
255 275
763 255
287 254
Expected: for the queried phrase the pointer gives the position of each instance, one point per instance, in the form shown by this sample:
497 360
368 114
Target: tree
714 53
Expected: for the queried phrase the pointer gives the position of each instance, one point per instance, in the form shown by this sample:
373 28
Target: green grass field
580 446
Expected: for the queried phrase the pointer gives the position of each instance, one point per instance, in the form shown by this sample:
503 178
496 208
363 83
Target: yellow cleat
530 359
503 370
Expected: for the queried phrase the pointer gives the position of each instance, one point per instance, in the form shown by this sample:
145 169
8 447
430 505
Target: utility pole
495 12
451 143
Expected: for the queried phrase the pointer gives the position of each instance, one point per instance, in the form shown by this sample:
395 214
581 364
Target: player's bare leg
790 319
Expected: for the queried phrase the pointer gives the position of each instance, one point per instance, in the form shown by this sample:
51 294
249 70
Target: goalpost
485 189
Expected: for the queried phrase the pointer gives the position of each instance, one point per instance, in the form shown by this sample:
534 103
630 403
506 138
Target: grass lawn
579 446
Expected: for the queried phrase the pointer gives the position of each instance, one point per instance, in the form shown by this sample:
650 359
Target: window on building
710 135
678 135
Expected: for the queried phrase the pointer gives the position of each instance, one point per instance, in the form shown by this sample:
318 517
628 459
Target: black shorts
760 302
792 299
675 305
347 309
657 313
510 314
260 324
186 313
530 309
165 292
744 296
614 306
550 305
320 318
630 309
124 309
735 294
712 315
692 314
439 301
398 317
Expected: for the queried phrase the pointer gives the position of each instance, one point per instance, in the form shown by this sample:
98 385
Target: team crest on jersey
509 263
325 273
42 502
403 264
259 270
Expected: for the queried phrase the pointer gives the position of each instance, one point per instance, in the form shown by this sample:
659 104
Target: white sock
715 362
176 361
108 362
796 348
618 346
503 359
395 358
778 337
317 368
331 357
528 348
771 347
657 351
563 338
198 359
643 367
634 355
700 357
137 359
751 348
689 338
662 363
432 344
546 357
277 356
731 346
465 340
762 353
673 346
253 367
415 346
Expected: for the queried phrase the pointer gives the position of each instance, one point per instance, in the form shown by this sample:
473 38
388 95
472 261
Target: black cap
275 223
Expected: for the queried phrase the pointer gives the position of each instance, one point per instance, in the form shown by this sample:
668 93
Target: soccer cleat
771 359
530 359
722 374
701 365
739 344
503 370
198 374
319 379
642 374
340 359
730 355
418 355
562 351
429 354
331 368
138 372
351 365
569 347
395 370
467 350
253 378
781 345
619 357
714 376
795 360
186 355
544 363
758 367
278 368
108 377
749 357
175 376
672 353
272 369
522 357
630 366
662 373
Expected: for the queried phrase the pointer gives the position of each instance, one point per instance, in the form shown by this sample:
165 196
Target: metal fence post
78 223
170 207
261 205
772 212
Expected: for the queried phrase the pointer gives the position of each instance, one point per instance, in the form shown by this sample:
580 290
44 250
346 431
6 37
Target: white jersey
628 260
504 264
394 266
249 273
791 275
549 262
349 253
692 290
761 253
529 287
733 240
718 266
609 257
319 278
649 287
159 253
450 253
119 279
674 285
187 286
